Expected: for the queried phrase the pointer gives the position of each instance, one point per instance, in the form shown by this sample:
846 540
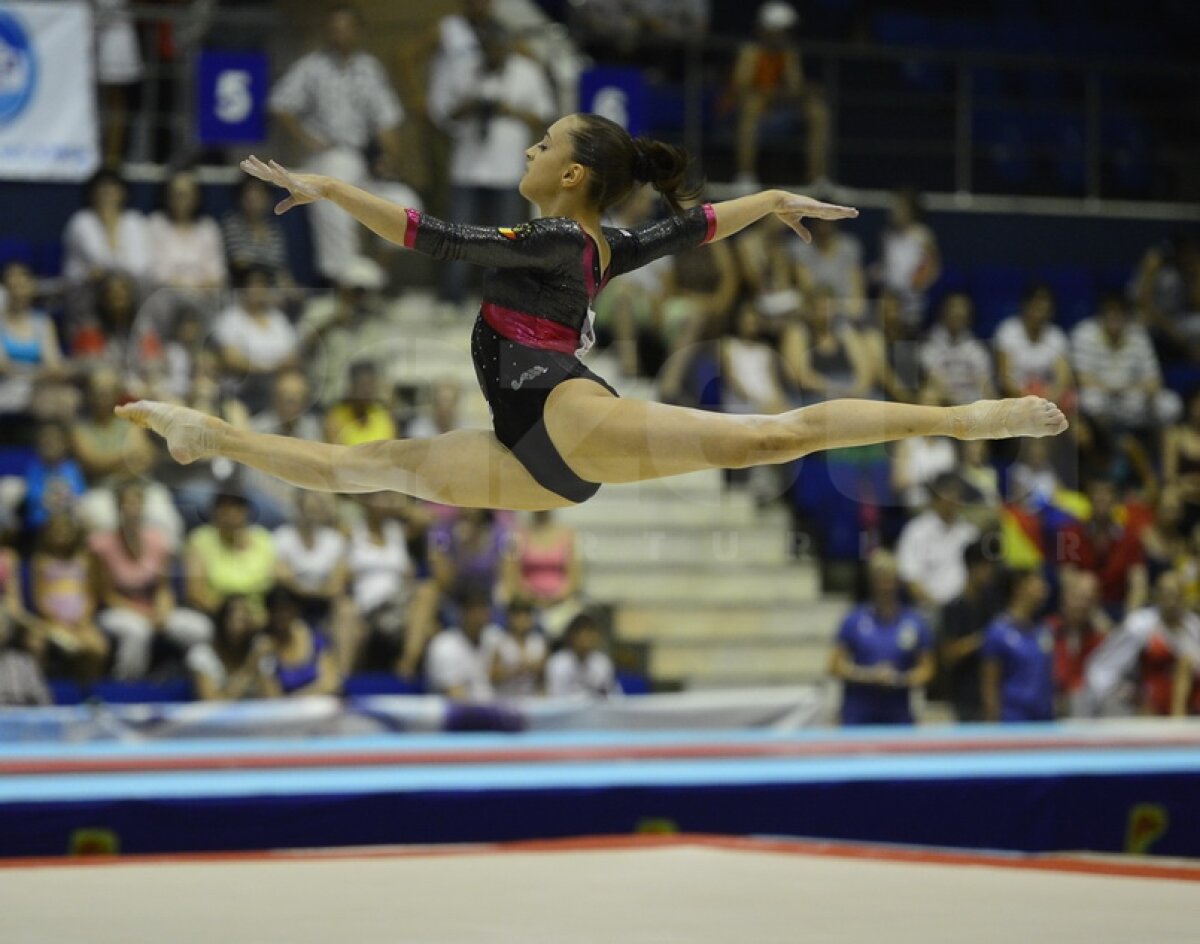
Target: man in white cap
769 81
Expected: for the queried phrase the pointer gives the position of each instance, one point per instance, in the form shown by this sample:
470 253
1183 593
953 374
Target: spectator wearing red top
134 562
1157 648
1106 548
1079 627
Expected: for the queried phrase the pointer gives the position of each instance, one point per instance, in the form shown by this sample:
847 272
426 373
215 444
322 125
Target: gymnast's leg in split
602 438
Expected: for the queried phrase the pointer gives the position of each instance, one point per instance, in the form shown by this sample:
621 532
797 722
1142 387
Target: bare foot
190 434
1003 419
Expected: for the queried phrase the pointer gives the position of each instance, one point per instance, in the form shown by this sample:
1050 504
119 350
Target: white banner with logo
47 95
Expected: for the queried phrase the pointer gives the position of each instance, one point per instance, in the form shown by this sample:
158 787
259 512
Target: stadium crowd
1021 582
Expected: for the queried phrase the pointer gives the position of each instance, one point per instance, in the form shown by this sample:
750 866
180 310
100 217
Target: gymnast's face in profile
551 166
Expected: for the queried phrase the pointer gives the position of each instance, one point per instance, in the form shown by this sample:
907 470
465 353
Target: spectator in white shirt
186 248
256 339
443 412
956 364
457 663
1120 382
1032 352
337 102
911 260
931 547
493 107
310 561
516 655
582 667
105 235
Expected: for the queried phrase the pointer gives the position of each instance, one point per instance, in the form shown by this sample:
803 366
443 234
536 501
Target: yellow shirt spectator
348 424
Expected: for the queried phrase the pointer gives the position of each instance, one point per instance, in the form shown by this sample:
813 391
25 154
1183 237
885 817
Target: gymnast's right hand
303 188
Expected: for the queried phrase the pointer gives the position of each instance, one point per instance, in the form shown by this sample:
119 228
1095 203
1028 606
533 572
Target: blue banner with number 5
231 106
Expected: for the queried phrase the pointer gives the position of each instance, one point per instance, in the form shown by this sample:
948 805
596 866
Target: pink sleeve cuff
410 231
711 215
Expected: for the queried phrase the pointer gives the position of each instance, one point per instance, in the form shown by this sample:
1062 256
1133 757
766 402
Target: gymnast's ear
573 175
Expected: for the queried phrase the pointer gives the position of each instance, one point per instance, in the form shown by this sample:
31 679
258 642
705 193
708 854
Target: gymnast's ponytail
617 162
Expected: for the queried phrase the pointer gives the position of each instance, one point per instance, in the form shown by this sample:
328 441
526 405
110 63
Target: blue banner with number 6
231 97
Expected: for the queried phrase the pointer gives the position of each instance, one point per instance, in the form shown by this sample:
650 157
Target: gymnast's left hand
793 208
301 188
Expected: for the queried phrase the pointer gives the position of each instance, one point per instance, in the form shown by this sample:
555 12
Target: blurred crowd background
1029 175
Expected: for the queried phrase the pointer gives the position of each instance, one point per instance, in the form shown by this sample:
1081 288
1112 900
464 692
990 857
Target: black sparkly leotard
535 321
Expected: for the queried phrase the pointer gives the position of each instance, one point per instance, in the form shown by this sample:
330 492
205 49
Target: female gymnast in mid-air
559 431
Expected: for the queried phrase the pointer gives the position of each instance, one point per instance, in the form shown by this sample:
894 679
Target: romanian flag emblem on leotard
514 232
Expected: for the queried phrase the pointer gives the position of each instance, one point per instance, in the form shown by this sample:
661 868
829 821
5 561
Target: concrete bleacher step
700 546
653 623
630 506
767 662
775 584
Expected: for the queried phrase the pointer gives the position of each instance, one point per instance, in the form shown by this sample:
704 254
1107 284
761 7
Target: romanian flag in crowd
1029 529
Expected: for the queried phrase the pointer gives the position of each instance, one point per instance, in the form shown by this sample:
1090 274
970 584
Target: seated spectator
1181 460
105 235
883 652
910 261
301 658
311 562
515 655
1079 627
547 569
769 84
770 279
825 359
581 666
116 341
118 71
1164 540
833 260
53 480
456 664
253 238
64 600
22 682
749 366
334 327
104 444
493 107
442 415
274 500
466 553
1018 656
255 337
930 549
337 103
699 287
239 663
362 416
186 251
1160 291
133 574
1106 548
1032 479
893 353
916 464
982 482
383 587
30 357
230 556
182 349
630 309
1032 353
1149 662
956 364
1120 381
964 621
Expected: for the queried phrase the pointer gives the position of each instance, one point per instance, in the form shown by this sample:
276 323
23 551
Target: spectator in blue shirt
53 480
1018 656
883 651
